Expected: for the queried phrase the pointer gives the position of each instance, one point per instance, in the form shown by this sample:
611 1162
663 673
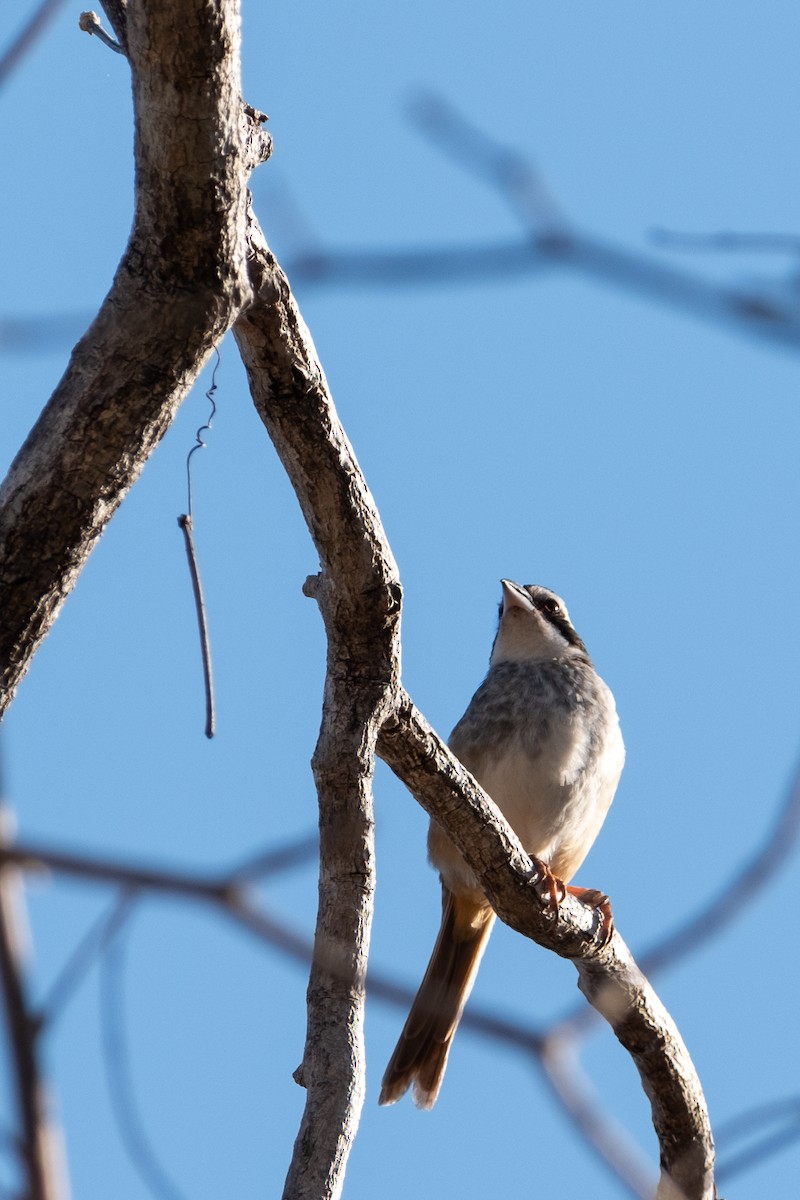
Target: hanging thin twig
185 522
199 440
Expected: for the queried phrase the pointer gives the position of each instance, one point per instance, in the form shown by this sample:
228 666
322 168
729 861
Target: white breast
555 798
557 801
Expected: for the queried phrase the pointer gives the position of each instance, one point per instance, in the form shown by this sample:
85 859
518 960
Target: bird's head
534 625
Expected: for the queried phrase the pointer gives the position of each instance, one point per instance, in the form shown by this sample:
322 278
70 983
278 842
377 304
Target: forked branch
289 389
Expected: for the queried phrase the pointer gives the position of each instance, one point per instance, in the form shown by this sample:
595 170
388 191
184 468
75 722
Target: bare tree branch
503 168
745 311
186 523
226 892
359 597
72 974
102 870
761 243
27 37
781 1118
271 861
551 240
755 874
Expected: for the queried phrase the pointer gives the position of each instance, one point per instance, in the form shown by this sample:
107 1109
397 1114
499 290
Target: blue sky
640 461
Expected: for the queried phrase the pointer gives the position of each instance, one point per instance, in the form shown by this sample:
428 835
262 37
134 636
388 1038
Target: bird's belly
554 799
537 797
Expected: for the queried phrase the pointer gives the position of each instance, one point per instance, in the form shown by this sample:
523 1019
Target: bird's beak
515 596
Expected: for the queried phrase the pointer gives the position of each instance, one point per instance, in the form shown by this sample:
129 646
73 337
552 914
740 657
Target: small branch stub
312 586
90 23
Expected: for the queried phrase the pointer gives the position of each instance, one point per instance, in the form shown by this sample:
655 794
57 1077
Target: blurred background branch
550 243
554 1050
12 58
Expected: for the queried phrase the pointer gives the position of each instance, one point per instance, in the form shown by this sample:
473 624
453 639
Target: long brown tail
420 1056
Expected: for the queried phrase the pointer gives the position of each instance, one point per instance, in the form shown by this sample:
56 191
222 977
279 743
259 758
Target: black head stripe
543 599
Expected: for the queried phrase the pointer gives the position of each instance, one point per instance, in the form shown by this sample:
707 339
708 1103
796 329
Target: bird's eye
551 607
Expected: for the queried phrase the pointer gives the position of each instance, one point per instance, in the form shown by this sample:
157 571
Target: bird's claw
548 887
602 905
551 891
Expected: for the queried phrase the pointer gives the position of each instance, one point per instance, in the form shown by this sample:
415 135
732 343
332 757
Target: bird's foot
548 887
551 891
602 905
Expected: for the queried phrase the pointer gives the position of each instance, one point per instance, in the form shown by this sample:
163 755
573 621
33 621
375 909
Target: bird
542 737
